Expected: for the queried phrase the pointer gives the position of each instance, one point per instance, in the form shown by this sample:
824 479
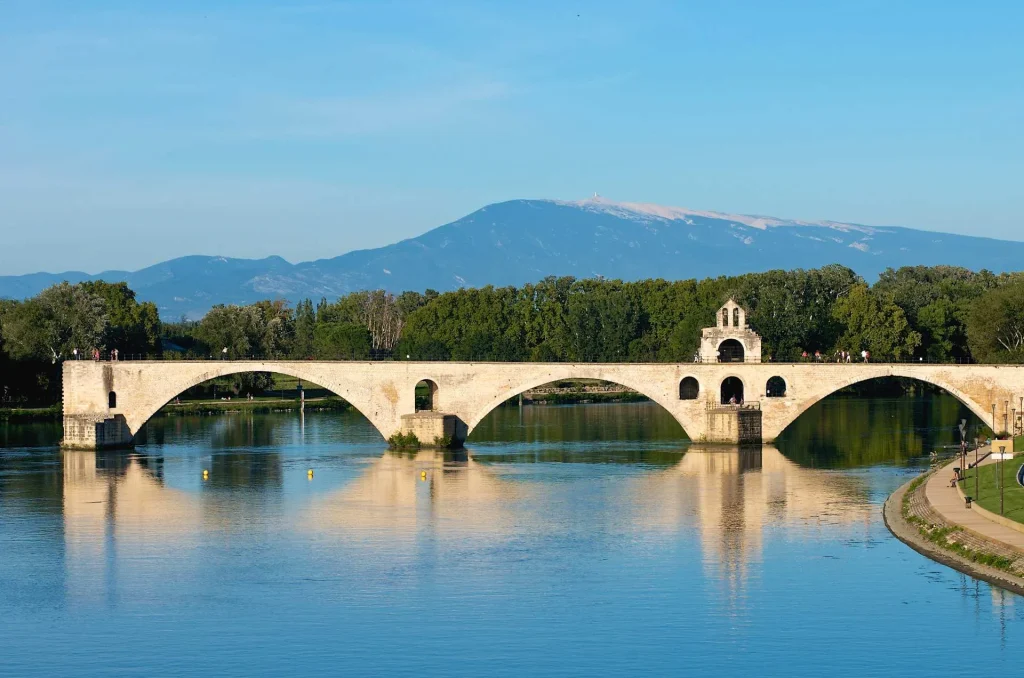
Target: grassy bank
257 406
20 414
948 537
582 398
988 488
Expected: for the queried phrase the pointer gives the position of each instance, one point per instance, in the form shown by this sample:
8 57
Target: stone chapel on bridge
731 340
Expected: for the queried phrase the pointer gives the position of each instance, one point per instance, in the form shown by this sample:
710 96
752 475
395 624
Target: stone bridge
106 404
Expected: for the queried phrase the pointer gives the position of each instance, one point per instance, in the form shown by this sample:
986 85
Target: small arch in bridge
732 391
730 351
775 388
112 401
426 395
689 389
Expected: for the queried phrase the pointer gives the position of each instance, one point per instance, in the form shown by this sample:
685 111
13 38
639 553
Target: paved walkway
947 503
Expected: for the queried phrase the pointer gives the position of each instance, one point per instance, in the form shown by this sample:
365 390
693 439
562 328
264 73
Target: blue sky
132 132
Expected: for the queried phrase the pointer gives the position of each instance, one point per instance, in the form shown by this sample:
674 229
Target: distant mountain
519 241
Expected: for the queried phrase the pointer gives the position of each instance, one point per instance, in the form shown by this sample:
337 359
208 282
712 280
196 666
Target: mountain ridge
519 241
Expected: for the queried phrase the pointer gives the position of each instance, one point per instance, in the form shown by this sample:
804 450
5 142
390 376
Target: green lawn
1013 497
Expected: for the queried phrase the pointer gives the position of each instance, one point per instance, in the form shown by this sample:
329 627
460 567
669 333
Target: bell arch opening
426 395
689 389
732 391
112 400
575 410
730 351
775 388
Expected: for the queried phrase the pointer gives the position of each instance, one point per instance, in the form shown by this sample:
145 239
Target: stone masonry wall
384 391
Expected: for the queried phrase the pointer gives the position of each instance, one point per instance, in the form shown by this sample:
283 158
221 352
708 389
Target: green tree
341 341
305 324
54 323
995 327
133 328
225 332
874 322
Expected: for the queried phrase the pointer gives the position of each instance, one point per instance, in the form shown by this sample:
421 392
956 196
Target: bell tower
731 340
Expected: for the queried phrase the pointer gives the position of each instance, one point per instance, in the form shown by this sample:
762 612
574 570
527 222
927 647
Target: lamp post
963 447
1001 483
992 446
977 445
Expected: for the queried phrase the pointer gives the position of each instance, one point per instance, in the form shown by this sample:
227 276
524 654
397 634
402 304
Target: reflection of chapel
731 340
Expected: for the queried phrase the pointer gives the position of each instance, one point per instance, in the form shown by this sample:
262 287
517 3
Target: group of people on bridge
840 356
113 356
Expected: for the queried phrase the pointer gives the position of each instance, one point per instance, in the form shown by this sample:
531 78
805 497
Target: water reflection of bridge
733 497
730 498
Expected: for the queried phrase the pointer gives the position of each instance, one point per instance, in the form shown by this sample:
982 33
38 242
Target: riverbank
966 545
17 415
580 392
258 406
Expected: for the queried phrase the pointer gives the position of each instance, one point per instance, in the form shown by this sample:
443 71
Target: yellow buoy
309 473
206 474
423 475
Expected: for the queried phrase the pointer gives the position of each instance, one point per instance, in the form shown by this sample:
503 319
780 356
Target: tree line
937 314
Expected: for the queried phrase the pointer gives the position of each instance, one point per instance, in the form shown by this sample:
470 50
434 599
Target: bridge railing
386 356
712 405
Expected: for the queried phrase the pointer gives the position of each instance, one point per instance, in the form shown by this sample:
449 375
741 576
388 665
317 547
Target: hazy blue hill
524 240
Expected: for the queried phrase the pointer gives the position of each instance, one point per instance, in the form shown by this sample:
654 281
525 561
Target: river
584 540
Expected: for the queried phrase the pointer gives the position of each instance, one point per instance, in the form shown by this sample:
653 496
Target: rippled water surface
584 540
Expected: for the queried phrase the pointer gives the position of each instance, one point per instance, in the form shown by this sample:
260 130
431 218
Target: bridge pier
95 432
733 425
435 429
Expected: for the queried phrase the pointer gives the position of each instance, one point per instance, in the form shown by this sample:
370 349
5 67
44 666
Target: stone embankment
918 514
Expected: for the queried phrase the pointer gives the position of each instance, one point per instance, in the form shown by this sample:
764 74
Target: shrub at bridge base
404 441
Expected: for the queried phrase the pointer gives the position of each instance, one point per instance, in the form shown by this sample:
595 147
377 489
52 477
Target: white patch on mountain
644 212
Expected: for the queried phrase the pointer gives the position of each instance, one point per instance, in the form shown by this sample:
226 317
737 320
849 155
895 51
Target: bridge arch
667 398
802 404
160 392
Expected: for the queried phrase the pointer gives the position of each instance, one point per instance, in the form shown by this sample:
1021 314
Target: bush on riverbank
199 407
21 414
403 441
584 398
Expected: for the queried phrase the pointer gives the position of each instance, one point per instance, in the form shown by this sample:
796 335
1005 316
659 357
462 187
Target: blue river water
570 540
